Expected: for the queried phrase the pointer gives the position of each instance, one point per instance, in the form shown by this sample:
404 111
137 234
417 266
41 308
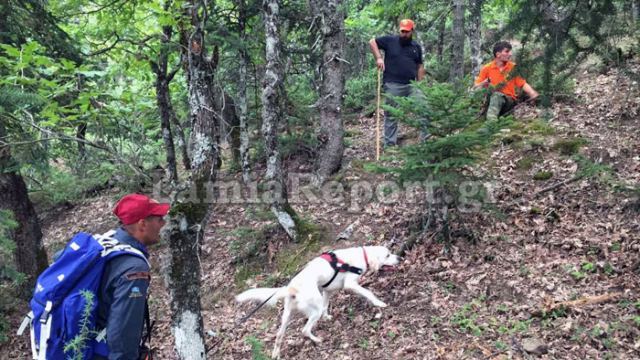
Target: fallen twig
560 184
587 300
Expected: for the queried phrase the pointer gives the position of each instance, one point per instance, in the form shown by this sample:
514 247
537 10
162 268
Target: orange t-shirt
496 76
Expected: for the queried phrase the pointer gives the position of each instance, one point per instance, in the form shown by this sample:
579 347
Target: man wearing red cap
402 64
122 298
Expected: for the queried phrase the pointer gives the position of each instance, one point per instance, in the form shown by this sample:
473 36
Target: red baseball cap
135 207
406 24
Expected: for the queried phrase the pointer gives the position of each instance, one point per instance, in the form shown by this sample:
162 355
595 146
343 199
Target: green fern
12 99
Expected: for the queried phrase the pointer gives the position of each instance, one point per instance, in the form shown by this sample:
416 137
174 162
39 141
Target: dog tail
262 294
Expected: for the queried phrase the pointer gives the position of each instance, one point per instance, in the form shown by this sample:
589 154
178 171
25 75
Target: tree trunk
81 133
188 217
271 116
30 255
475 36
457 42
331 90
242 93
229 123
635 11
442 26
181 140
163 97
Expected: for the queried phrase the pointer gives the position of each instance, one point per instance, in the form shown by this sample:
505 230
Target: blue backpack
64 306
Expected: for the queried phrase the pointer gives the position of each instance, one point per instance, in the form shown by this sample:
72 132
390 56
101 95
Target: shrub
360 91
10 278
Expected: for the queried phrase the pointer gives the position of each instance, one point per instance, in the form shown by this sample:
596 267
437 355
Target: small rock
534 346
346 233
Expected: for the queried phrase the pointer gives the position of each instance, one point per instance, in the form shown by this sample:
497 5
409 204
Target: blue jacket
122 299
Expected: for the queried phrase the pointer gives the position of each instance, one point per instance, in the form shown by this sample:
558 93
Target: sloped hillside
553 271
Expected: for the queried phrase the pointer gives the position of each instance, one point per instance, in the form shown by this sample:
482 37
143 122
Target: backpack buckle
45 313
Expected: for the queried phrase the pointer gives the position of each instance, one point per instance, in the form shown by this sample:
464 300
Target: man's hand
380 63
483 84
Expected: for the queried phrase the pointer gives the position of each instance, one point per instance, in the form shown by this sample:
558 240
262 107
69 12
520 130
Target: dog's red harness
340 266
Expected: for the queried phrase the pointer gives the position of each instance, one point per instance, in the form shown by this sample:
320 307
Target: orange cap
406 24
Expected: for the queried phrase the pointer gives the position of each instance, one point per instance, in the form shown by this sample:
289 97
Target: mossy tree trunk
475 35
331 89
271 118
189 215
457 42
242 112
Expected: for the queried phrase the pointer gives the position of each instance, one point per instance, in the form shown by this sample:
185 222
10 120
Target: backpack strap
45 331
148 323
111 245
23 326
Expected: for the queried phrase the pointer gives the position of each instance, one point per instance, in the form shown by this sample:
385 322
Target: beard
404 41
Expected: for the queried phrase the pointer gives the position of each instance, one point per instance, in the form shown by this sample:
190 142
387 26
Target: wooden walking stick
378 120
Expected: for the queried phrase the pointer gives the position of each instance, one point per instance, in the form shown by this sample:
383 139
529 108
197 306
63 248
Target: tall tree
475 36
243 92
442 26
163 97
271 118
30 255
457 41
331 88
189 216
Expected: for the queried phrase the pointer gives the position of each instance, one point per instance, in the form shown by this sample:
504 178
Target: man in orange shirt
496 74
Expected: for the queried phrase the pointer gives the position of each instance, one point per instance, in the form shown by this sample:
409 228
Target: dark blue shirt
400 61
122 298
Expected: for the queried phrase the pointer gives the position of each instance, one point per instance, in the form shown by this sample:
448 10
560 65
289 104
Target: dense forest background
257 121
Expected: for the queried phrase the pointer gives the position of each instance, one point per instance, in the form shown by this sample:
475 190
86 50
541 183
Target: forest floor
539 245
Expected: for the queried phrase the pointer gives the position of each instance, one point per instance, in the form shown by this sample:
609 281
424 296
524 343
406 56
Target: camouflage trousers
499 104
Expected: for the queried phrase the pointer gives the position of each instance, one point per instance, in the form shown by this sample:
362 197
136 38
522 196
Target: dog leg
286 317
356 288
325 306
313 319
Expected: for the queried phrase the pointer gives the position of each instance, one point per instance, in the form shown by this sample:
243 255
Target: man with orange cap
402 64
122 298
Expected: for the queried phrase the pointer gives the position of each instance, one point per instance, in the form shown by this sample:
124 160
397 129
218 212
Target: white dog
309 291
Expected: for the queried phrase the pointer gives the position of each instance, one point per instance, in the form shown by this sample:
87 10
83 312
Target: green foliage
588 267
466 318
301 142
543 175
590 169
257 348
459 139
360 91
569 146
10 279
566 33
527 162
80 342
